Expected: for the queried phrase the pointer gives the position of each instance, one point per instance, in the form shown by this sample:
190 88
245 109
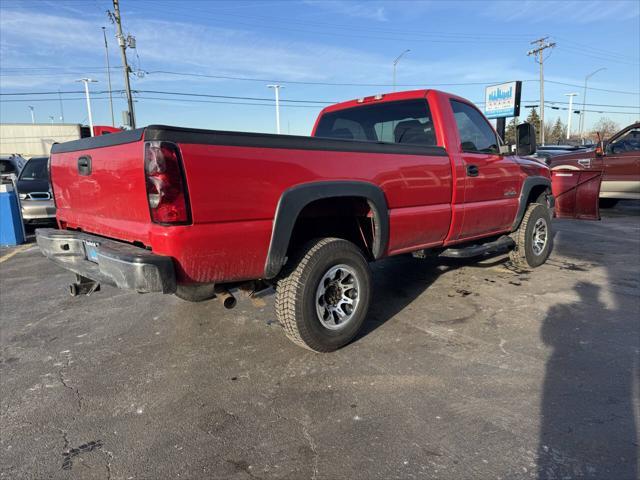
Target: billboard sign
502 100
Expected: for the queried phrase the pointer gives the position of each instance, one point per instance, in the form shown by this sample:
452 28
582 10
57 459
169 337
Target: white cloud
40 39
563 12
370 10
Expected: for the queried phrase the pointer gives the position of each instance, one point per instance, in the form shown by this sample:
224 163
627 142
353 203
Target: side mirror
525 139
600 150
600 146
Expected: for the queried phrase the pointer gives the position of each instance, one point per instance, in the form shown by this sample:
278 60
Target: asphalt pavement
465 370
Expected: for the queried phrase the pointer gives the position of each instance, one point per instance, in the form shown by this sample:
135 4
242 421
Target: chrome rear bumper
116 263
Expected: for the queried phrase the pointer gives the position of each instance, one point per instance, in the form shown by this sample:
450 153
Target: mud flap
576 193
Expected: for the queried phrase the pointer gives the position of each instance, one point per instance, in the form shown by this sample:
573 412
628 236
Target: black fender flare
528 185
294 199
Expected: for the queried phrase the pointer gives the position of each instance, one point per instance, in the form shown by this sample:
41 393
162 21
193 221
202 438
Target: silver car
34 189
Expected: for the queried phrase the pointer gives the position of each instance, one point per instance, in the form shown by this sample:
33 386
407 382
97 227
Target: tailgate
99 185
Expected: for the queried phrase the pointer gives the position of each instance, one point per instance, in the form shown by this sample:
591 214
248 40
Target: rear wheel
533 238
323 297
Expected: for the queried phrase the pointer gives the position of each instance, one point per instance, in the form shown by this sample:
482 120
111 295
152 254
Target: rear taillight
166 186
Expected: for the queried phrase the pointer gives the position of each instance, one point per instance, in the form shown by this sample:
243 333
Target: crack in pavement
64 382
108 457
307 436
312 444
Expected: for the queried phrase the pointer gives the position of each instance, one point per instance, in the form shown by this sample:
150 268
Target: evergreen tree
510 132
534 119
558 132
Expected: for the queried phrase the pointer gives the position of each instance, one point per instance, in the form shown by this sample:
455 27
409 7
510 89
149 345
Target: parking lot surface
464 370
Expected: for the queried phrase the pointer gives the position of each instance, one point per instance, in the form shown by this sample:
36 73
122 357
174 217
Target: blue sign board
502 100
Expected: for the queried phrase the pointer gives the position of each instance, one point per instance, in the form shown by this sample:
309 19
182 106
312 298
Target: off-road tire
296 292
196 292
523 256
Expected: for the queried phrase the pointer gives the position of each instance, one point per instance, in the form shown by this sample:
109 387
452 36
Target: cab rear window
406 122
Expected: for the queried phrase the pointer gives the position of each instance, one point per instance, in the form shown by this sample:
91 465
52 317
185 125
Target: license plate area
91 250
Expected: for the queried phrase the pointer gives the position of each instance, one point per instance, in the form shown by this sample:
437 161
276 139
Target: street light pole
106 50
395 64
33 115
584 101
570 95
86 82
276 89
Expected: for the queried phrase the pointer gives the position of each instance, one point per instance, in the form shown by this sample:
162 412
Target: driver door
622 165
492 180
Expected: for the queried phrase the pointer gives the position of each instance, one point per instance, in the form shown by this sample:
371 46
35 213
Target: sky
207 63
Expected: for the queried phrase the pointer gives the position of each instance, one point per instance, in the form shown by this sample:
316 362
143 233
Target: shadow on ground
588 429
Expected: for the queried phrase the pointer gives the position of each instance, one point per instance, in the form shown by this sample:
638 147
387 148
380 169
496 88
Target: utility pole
276 89
122 41
395 64
538 53
106 50
33 115
86 82
584 101
51 117
570 95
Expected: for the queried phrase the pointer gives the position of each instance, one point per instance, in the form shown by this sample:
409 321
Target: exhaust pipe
226 298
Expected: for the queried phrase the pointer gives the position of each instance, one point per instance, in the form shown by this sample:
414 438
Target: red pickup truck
196 212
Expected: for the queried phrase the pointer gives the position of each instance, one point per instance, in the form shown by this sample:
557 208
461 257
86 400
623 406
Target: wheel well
349 218
535 192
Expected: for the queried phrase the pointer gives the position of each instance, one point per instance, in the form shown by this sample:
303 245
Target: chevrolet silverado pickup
196 213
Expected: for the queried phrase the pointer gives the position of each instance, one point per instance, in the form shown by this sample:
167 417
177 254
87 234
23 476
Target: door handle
84 165
473 170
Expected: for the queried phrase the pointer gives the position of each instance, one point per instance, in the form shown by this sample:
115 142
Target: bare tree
606 127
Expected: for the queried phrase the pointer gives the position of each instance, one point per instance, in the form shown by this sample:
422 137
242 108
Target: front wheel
323 297
533 238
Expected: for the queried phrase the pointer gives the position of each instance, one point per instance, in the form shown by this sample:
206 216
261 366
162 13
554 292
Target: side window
476 134
630 142
6 167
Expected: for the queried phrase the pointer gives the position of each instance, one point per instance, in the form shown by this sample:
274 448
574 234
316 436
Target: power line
338 84
354 84
230 97
270 104
54 93
580 110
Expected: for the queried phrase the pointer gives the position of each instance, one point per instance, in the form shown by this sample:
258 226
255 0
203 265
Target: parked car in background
34 189
547 152
11 164
559 149
619 158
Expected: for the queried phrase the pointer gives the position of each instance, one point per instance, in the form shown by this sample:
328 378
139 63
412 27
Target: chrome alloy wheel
540 234
337 297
